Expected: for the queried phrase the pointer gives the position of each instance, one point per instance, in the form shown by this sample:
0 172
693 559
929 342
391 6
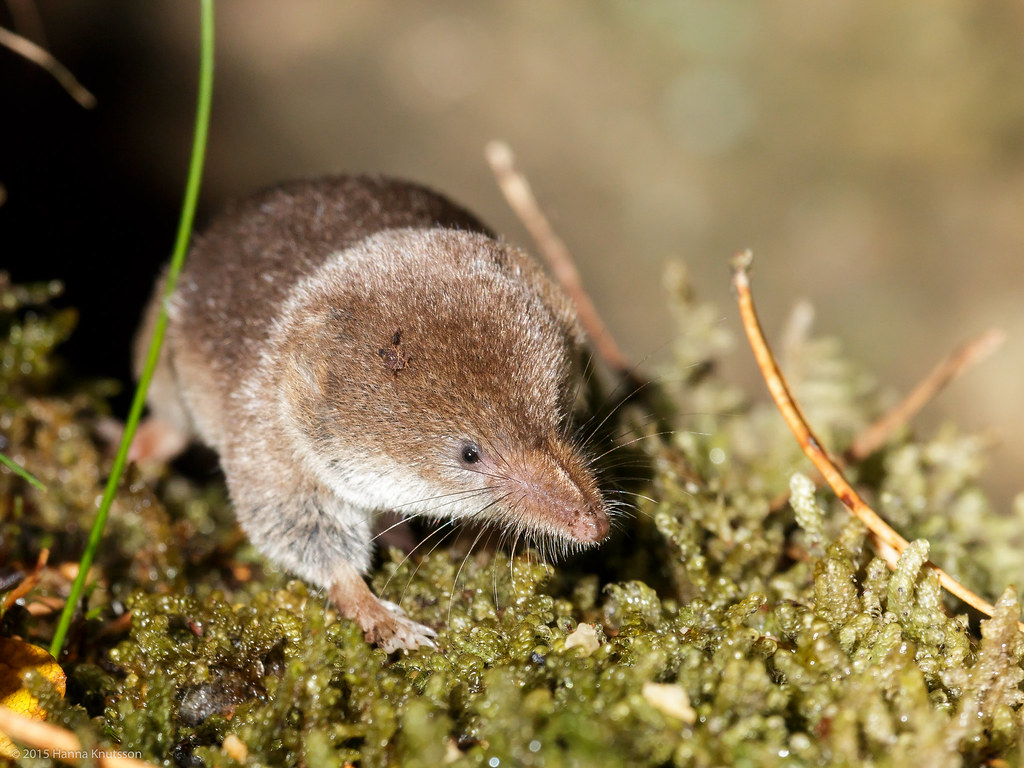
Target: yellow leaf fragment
16 658
235 748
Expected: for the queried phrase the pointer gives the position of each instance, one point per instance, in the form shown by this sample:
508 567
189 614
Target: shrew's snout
590 525
553 491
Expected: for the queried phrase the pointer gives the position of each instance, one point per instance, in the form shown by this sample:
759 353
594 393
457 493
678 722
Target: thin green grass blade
188 210
21 472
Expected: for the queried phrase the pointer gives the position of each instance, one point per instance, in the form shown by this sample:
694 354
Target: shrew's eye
470 453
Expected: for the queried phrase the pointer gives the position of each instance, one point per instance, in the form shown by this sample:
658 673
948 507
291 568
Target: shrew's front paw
393 630
383 623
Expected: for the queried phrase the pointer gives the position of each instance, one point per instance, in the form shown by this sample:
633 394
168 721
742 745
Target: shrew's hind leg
168 429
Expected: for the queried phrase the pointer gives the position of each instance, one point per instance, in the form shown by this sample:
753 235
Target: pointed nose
591 525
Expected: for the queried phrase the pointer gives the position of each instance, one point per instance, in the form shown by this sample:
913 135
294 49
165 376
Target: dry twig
873 437
520 198
26 20
887 541
38 55
60 743
29 581
953 365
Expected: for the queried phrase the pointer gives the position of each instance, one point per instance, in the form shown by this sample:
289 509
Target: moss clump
778 635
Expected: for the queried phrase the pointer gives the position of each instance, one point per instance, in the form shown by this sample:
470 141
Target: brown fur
340 342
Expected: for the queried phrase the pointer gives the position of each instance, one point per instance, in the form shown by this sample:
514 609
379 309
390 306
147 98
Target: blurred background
870 153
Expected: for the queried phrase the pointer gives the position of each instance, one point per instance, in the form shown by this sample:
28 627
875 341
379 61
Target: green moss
793 643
